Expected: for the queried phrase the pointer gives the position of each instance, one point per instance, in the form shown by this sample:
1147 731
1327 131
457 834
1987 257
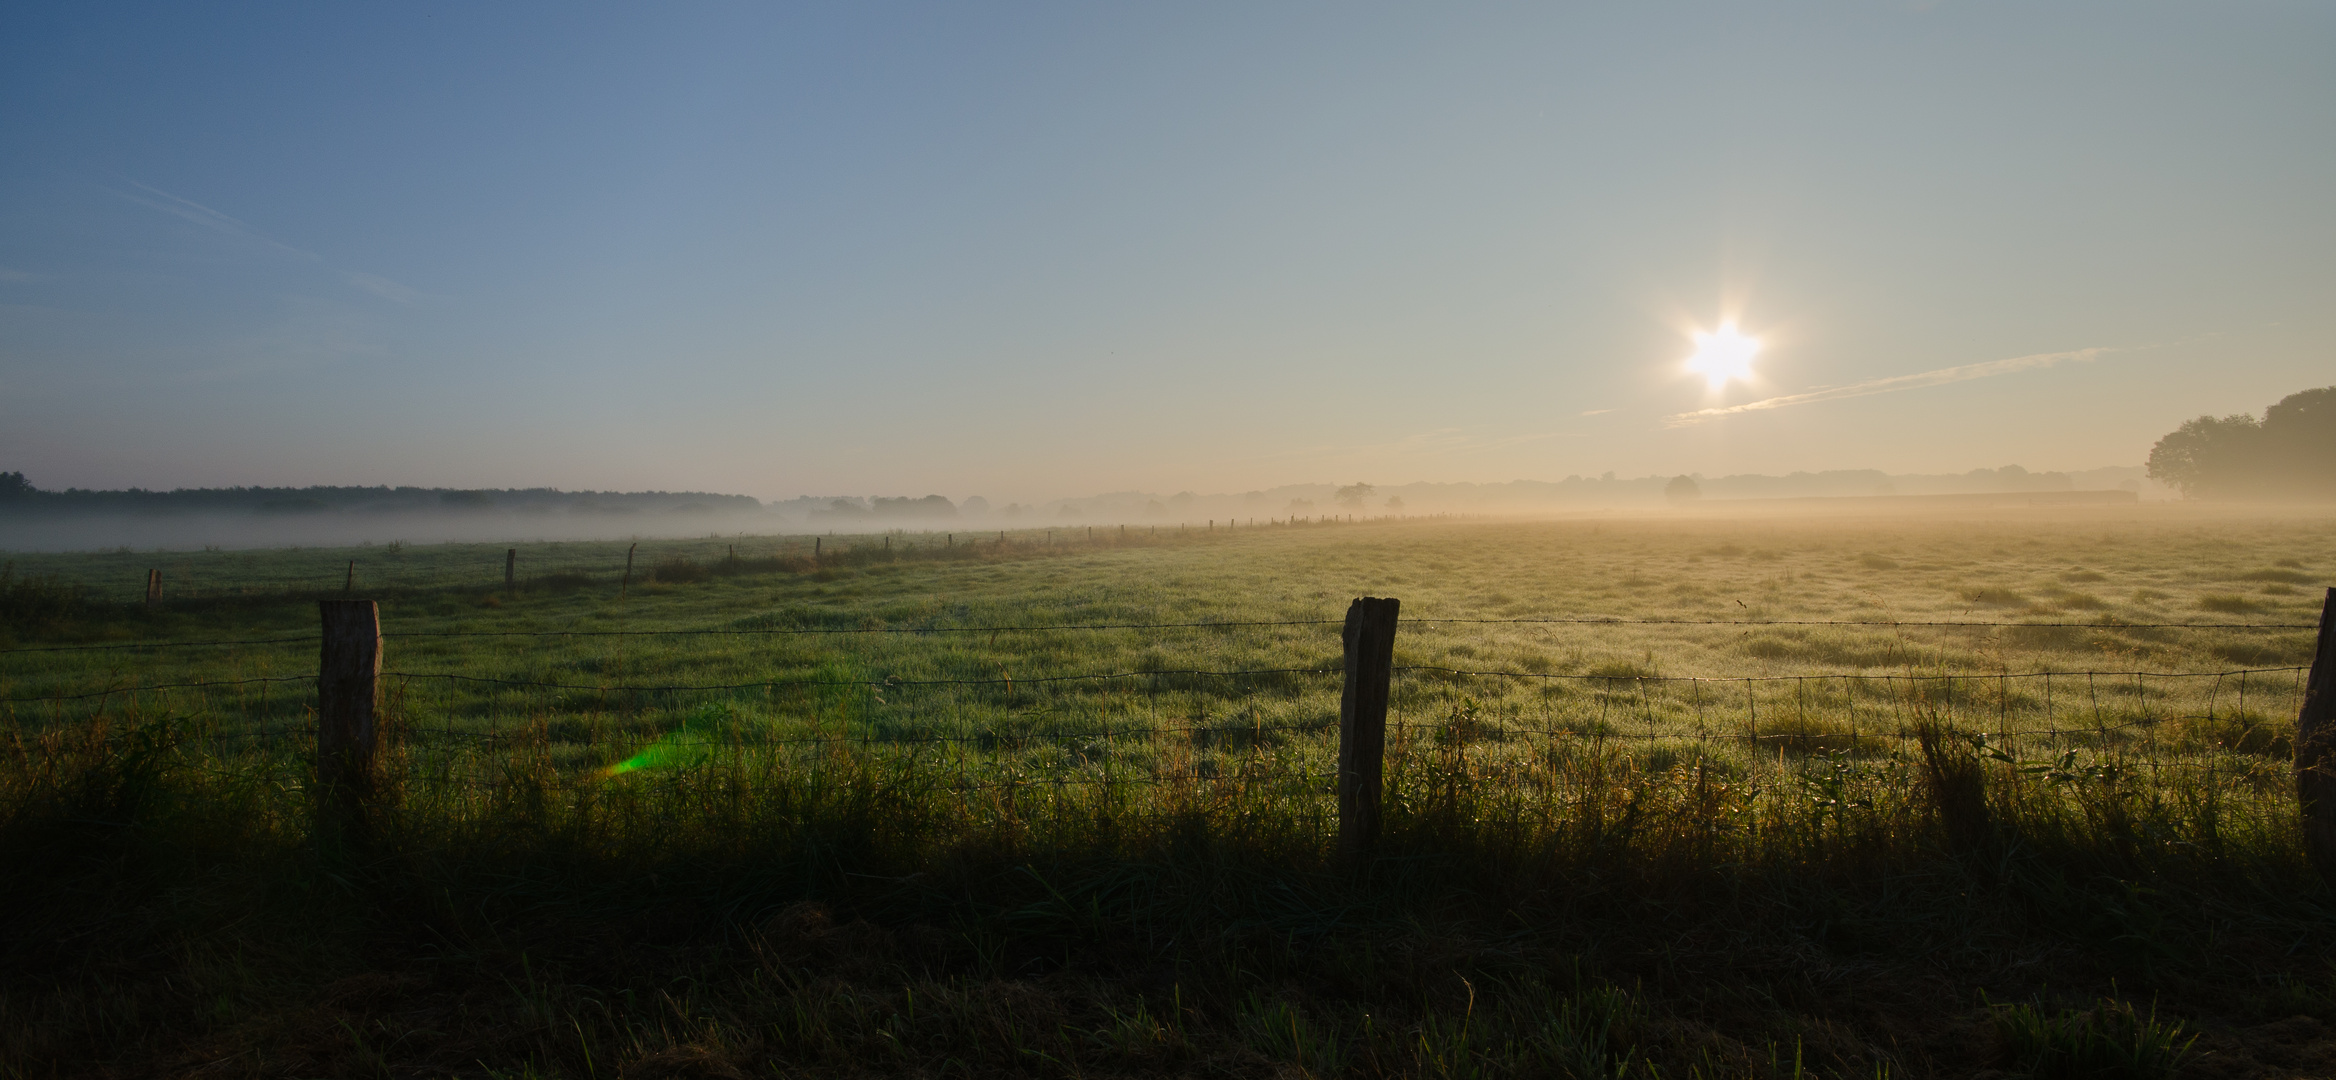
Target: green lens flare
679 748
683 746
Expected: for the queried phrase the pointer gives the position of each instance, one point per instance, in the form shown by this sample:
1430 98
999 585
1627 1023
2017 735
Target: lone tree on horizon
2289 454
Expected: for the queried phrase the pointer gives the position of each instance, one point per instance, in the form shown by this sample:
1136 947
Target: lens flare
680 748
685 745
1722 355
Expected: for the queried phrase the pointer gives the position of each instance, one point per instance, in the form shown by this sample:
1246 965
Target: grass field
1667 797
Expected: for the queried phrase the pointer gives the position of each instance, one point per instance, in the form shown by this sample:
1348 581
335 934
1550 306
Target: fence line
1070 627
873 683
350 699
113 646
199 685
760 684
1829 676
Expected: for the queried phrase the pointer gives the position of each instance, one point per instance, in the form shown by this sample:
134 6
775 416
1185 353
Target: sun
1722 355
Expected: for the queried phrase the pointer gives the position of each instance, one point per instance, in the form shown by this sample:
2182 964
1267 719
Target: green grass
912 853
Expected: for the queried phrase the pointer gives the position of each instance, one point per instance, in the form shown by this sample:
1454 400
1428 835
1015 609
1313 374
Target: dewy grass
1610 849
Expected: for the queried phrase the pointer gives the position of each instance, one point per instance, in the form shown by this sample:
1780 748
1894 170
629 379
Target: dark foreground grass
1870 893
170 915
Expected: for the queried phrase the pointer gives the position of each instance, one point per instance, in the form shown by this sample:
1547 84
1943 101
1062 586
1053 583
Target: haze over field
1047 251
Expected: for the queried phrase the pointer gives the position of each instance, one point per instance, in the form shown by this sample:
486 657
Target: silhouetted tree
2289 454
1682 489
13 485
1352 495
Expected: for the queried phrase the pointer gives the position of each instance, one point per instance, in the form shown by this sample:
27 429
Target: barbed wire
1592 620
1894 623
1010 681
792 631
1407 740
112 646
200 685
1833 676
874 683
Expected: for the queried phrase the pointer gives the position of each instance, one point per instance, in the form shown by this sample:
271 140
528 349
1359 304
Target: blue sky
1034 250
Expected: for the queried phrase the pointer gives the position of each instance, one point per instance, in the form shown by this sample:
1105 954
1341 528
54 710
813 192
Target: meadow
1713 796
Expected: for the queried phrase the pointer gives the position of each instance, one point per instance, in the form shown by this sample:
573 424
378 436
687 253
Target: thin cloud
1597 412
192 211
382 287
1893 384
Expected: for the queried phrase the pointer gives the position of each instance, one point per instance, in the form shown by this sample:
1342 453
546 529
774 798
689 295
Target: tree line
2290 453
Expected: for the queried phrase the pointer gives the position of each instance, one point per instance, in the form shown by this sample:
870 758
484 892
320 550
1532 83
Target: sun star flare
1722 355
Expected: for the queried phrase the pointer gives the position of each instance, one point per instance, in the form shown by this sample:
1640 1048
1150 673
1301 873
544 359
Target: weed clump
1956 780
2111 1040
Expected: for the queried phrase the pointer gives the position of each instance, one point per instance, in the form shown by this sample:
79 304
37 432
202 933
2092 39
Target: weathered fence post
511 572
348 676
627 584
349 584
2315 746
153 588
1362 723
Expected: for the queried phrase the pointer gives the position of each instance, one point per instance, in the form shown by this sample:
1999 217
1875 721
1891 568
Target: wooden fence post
2315 746
1362 723
348 688
349 584
511 572
627 583
153 588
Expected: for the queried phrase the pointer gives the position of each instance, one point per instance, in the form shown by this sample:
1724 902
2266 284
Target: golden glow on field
1722 355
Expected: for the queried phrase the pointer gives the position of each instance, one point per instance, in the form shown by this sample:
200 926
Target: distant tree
931 506
13 485
2289 454
1352 495
1682 489
1395 503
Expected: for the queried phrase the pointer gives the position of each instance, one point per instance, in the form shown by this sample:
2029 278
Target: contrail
1892 384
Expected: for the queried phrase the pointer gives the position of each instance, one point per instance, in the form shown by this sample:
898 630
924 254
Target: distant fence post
348 680
153 588
627 584
1362 723
511 571
349 584
2315 746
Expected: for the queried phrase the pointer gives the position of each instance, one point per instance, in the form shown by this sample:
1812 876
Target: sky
1033 250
